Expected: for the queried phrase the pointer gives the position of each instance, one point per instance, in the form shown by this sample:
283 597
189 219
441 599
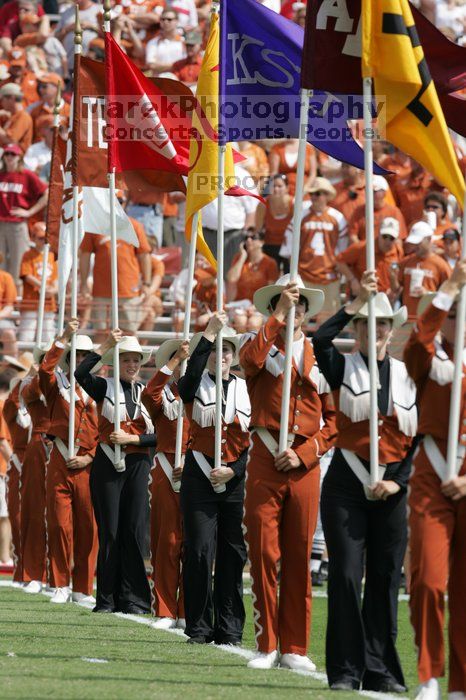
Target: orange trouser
166 536
33 512
280 518
438 559
71 527
14 513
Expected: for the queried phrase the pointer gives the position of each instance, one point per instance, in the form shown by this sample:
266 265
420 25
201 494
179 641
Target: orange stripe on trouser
280 518
33 512
166 534
71 527
14 513
438 546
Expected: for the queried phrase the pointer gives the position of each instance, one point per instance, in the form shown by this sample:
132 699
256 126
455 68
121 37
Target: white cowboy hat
263 296
321 184
39 351
128 343
83 343
383 309
166 350
228 334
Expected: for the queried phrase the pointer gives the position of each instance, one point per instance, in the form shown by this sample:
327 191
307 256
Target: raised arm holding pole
74 270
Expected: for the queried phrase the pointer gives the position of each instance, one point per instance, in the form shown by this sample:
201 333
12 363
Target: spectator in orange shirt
187 69
8 294
153 302
47 87
204 293
452 246
322 227
15 123
388 253
438 203
382 210
31 273
22 76
256 162
275 218
410 193
134 280
251 268
421 272
351 192
283 159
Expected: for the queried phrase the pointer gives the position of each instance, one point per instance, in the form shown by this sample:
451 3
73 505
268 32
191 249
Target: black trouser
120 501
212 530
361 641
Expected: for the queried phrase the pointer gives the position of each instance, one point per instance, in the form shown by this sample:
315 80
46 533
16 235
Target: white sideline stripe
238 651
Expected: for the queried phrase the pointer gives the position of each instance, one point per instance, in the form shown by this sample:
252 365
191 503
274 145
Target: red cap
13 148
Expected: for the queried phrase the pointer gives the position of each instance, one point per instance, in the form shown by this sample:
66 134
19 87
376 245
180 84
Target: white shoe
164 623
264 661
61 595
33 587
297 662
430 690
181 623
48 591
17 584
77 597
456 695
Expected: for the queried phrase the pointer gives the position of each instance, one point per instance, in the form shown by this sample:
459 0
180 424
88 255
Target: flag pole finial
78 32
107 15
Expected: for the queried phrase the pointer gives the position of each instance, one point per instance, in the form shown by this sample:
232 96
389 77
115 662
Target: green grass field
43 650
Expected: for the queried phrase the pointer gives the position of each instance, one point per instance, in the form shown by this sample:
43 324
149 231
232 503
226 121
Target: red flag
56 184
332 55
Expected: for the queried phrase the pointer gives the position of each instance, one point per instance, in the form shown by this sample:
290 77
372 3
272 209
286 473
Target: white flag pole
118 462
220 264
74 269
186 328
370 265
295 246
43 285
457 385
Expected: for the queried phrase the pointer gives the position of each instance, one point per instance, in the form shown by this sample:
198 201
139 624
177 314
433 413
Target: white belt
269 440
62 448
110 453
206 468
14 459
361 472
168 469
437 459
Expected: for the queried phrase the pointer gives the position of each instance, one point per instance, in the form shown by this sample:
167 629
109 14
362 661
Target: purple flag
260 80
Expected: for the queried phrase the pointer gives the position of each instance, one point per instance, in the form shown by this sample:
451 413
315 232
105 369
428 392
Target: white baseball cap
379 183
390 227
419 231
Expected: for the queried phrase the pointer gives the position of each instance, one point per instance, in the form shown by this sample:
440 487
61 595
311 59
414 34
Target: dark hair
302 300
5 377
439 198
282 177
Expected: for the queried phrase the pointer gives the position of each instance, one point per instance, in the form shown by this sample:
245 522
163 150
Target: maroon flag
332 55
56 186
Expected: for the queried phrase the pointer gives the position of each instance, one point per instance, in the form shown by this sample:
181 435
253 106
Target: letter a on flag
393 56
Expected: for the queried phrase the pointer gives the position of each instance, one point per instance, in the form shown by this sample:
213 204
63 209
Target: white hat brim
166 350
230 337
264 295
107 358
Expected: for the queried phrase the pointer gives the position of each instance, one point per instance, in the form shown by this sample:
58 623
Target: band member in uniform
120 491
32 490
437 503
282 490
19 424
161 398
71 528
212 497
363 524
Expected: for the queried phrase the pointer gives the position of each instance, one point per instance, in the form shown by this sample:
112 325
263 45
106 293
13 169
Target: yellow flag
392 55
202 185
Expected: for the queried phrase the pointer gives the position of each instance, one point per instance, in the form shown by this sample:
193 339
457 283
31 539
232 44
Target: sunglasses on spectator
433 206
253 236
167 19
387 237
320 193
